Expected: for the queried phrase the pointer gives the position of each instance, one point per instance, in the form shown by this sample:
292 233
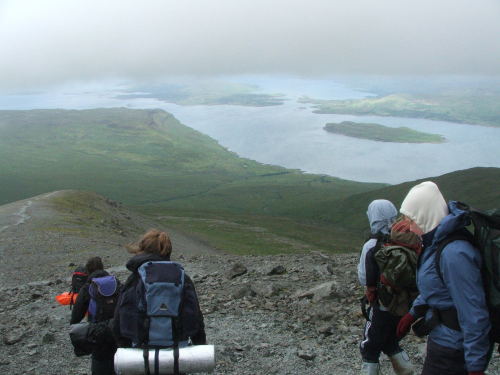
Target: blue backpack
162 283
150 311
104 292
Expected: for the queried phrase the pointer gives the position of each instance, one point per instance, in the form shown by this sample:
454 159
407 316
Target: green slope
144 158
476 186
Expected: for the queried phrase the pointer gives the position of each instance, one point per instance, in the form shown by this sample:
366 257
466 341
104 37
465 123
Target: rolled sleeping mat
192 359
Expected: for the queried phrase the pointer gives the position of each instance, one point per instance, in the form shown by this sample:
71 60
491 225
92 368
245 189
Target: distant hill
463 106
479 187
204 93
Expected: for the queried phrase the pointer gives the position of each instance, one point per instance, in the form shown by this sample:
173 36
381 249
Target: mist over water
292 136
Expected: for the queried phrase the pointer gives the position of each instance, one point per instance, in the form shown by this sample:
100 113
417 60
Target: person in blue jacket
379 333
451 301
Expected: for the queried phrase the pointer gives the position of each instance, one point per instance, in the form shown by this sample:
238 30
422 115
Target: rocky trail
287 314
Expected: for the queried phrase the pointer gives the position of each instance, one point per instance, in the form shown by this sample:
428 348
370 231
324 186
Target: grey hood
381 214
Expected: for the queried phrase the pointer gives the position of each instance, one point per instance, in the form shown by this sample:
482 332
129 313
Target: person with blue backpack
451 306
158 307
97 299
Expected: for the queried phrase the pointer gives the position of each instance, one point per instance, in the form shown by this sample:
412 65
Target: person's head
381 214
425 207
401 234
94 264
153 242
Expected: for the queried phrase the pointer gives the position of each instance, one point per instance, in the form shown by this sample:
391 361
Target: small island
381 133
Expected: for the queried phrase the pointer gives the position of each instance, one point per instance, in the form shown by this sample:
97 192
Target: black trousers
441 360
102 366
103 358
379 335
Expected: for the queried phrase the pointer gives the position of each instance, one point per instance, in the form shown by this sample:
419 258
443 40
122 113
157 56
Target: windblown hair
153 242
94 264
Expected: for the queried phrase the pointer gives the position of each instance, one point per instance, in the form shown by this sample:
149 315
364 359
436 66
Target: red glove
476 373
371 294
404 325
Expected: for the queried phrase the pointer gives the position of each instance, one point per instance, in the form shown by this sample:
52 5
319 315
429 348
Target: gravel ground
288 314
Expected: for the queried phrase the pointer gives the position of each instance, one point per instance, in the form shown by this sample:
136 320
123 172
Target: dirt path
38 242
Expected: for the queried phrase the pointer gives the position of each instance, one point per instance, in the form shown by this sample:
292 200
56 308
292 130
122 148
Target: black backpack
78 279
486 238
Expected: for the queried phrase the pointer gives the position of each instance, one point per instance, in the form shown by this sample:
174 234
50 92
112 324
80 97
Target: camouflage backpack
397 262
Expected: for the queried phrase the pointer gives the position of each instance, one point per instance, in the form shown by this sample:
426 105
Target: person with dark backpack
158 307
78 279
451 306
378 334
98 299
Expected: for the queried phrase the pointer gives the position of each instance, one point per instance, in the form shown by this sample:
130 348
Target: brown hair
153 242
94 264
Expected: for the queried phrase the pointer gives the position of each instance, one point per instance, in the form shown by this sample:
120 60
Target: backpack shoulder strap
371 267
460 235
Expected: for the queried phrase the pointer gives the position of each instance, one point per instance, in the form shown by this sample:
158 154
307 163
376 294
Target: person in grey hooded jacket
379 332
455 295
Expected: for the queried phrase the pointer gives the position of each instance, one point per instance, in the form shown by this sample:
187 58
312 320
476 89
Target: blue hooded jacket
462 288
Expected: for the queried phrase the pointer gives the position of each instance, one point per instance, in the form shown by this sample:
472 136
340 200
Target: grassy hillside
462 106
381 133
476 186
147 159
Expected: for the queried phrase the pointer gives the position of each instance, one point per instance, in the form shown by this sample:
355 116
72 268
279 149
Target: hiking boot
370 368
401 363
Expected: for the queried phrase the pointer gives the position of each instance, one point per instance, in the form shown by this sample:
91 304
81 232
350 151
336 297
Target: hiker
452 300
103 353
158 307
379 332
78 279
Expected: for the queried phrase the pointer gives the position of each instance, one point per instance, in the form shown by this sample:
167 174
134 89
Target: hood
381 214
135 262
425 205
454 221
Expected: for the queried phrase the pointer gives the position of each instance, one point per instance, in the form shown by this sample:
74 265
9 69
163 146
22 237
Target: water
292 136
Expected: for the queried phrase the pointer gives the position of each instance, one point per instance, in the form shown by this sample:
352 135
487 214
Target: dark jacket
191 315
381 213
106 347
82 301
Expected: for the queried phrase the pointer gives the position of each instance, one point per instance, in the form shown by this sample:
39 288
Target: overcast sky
54 41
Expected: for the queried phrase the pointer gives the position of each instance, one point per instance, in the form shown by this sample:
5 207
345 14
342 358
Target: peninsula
460 106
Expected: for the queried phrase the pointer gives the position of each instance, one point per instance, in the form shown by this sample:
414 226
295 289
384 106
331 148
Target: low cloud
55 41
